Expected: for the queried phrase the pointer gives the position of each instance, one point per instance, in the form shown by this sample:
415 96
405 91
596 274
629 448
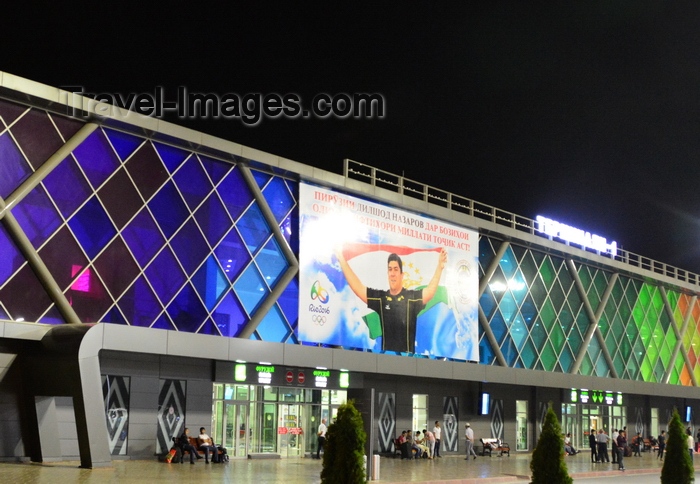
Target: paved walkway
448 470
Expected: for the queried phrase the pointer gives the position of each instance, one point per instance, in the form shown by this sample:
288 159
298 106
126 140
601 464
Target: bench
194 443
491 445
649 447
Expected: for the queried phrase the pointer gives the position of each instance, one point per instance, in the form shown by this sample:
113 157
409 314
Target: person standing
321 434
437 431
662 445
614 436
430 442
638 443
621 446
602 440
469 436
691 443
593 445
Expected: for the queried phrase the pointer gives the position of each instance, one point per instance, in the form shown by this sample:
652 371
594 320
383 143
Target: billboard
377 277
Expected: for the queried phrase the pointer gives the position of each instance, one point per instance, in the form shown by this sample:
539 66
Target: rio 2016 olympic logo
318 319
317 292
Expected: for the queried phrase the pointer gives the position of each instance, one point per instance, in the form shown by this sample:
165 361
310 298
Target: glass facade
137 231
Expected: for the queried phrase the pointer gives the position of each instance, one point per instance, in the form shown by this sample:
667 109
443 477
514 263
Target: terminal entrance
579 419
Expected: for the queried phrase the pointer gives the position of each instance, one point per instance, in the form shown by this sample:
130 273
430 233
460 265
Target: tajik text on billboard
381 278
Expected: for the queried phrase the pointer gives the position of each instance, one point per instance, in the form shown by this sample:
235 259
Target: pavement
447 470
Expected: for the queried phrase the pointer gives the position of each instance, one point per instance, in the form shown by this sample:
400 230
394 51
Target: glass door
521 425
236 432
290 434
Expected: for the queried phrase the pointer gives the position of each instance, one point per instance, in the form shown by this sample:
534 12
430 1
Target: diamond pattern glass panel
11 259
67 187
251 288
92 227
14 169
273 327
97 158
187 311
36 136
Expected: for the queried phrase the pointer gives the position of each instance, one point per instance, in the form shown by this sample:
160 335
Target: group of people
425 445
204 443
598 443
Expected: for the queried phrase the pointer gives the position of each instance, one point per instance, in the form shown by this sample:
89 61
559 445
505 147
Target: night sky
585 112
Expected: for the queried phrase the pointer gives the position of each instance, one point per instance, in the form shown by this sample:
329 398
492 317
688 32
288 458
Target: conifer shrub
678 466
547 464
343 451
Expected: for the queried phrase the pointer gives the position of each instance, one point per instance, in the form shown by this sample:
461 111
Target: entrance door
236 430
290 434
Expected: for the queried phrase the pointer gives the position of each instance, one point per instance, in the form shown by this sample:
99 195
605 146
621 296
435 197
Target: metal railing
420 191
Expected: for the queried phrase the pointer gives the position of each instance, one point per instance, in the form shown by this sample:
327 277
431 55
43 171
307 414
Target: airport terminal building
153 277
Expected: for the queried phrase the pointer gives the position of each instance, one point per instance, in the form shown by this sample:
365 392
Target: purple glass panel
14 169
3 313
139 305
171 156
116 267
189 246
67 187
37 216
37 137
24 297
52 316
66 127
120 198
273 327
11 258
235 194
163 322
289 302
278 198
229 316
10 111
147 171
63 257
165 275
89 298
187 311
253 228
261 178
210 282
96 157
216 169
232 255
213 219
209 328
168 209
193 182
143 237
92 227
250 289
124 144
114 316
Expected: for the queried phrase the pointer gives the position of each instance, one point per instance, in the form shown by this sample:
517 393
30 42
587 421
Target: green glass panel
566 319
638 314
647 370
600 280
671 339
508 308
565 278
664 321
518 332
556 295
618 328
645 333
557 338
538 333
625 349
633 369
584 276
652 316
594 349
632 332
604 325
665 354
674 379
657 300
529 355
519 252
672 297
617 291
539 257
680 363
582 321
528 266
557 263
659 371
566 359
688 336
611 343
652 353
644 297
575 339
586 366
619 364
601 367
548 315
547 272
548 357
639 350
538 291
625 311
508 262
696 372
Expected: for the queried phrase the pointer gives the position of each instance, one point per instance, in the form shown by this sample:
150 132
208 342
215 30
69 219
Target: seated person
409 439
568 448
184 444
206 445
420 443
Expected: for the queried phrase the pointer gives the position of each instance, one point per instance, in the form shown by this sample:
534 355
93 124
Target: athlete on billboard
397 307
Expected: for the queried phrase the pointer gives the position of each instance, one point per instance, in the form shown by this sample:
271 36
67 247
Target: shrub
547 465
343 451
678 466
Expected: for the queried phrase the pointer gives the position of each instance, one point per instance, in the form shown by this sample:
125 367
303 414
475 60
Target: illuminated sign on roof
575 236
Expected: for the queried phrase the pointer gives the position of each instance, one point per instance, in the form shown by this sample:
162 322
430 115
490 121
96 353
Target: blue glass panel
271 262
498 327
260 177
487 302
235 194
566 359
11 258
250 289
529 355
229 316
289 302
14 169
171 156
92 227
143 237
273 327
529 311
508 308
189 246
278 198
3 313
215 168
97 158
168 209
193 182
165 275
114 316
139 305
508 263
209 328
37 216
538 334
518 331
253 228
510 354
232 254
187 311
163 322
67 187
518 287
124 144
52 316
213 219
210 282
287 227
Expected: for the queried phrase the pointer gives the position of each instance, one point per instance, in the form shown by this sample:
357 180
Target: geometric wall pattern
171 413
497 419
450 432
115 390
386 403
